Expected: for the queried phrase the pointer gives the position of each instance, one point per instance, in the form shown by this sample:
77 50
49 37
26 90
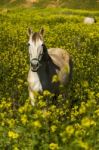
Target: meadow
70 124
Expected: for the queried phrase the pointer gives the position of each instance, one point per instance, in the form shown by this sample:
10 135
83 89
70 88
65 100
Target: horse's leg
31 95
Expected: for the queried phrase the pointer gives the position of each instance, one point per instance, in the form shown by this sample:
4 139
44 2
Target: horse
45 64
89 20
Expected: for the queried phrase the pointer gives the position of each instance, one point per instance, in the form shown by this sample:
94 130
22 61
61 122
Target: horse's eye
28 44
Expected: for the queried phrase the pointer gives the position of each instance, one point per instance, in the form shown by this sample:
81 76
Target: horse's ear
42 31
29 32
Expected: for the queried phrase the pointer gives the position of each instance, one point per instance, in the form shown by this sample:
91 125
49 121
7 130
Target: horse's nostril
34 64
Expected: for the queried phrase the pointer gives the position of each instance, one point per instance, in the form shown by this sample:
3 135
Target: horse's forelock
36 36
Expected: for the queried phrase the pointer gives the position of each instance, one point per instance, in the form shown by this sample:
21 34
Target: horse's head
36 50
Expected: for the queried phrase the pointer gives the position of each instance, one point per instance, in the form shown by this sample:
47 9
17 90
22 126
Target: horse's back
59 56
62 59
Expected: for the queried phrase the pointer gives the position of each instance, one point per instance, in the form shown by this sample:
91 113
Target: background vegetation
56 125
78 4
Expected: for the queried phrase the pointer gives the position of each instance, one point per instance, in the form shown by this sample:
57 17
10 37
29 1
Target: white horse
45 64
89 20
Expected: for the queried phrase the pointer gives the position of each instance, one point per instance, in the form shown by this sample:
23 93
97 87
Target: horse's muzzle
34 65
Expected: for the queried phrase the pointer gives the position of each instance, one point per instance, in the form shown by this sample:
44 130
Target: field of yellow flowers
71 124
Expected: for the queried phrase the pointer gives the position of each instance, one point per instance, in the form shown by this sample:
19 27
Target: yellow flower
24 119
4 103
2 115
73 117
85 84
97 112
26 108
19 86
15 148
11 122
97 95
82 109
55 78
91 95
53 146
1 106
91 103
87 122
21 109
37 124
46 93
20 81
46 114
13 135
77 133
2 123
77 126
53 128
40 97
83 145
42 103
70 130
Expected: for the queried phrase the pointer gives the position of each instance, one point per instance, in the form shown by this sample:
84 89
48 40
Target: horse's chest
35 83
